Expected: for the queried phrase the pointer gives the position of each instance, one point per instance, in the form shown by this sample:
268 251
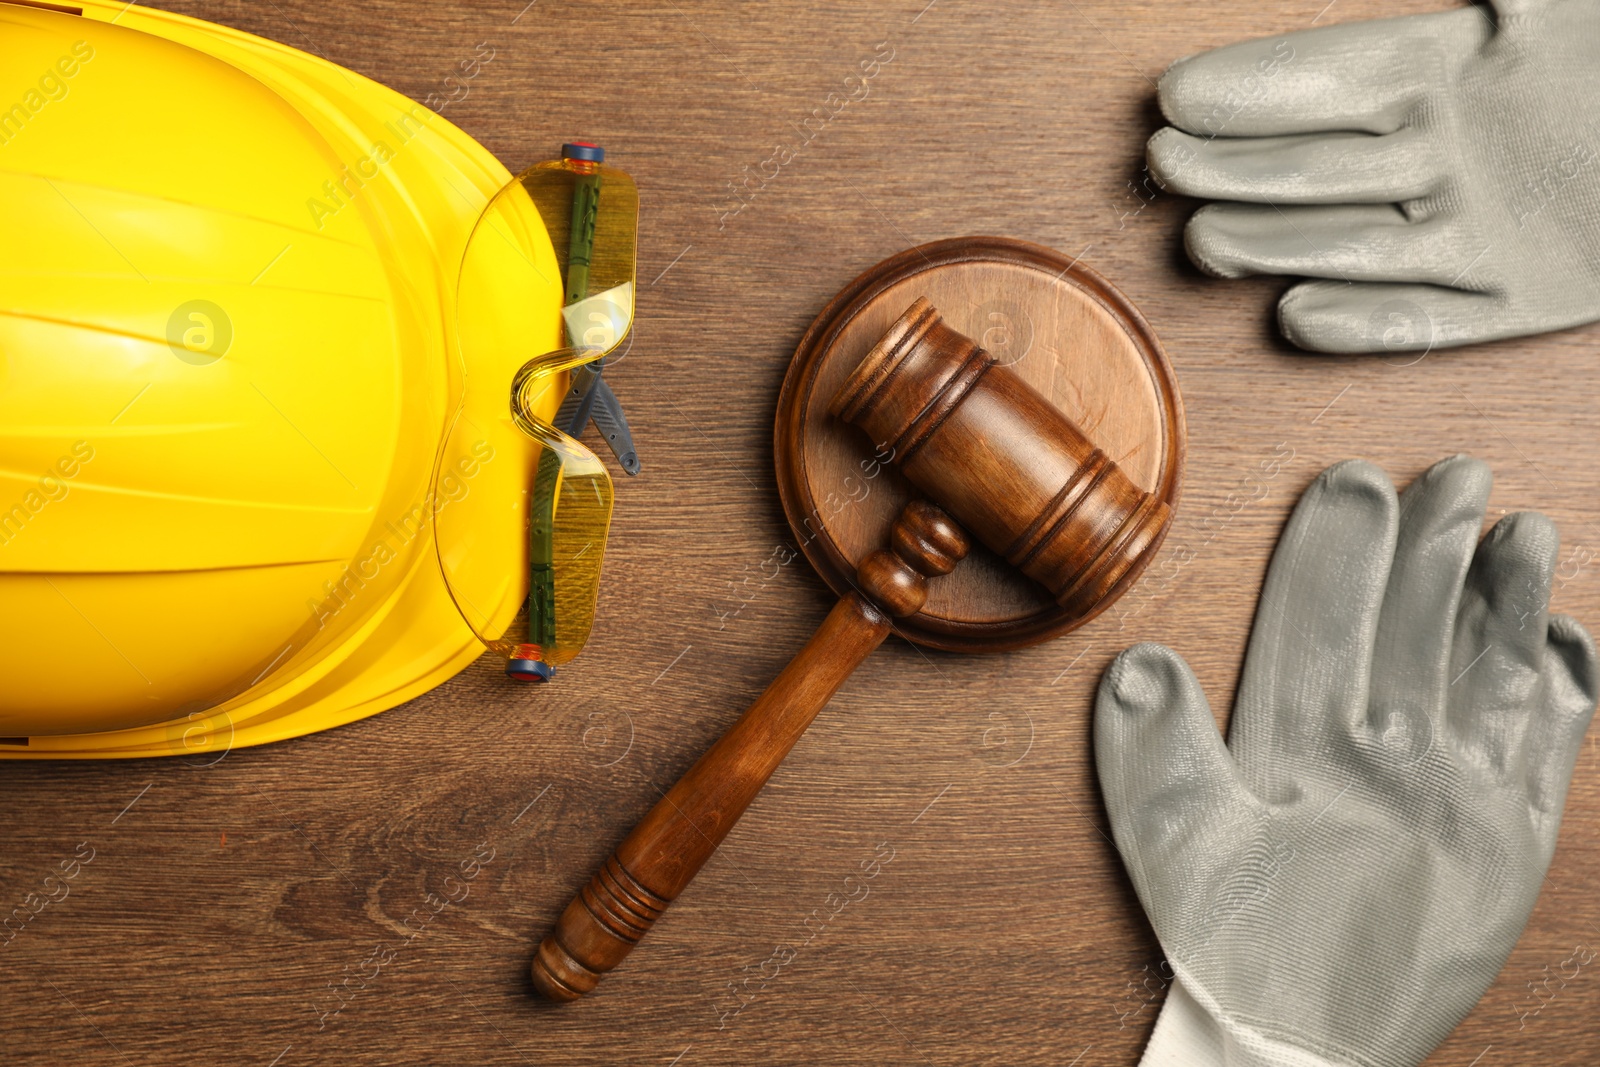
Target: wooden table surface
227 903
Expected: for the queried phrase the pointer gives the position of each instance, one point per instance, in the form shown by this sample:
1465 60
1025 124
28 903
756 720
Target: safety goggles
521 509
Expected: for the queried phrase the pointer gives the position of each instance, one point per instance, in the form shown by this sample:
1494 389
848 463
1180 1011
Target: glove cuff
1190 1033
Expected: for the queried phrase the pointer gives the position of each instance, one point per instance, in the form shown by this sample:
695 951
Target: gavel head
1014 470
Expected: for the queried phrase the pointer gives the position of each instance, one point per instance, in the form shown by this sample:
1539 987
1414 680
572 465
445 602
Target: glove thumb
1171 786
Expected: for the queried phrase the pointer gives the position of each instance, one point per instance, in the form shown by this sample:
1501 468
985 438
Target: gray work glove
1441 171
1340 883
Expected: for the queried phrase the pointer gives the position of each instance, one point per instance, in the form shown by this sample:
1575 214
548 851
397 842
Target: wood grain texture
927 879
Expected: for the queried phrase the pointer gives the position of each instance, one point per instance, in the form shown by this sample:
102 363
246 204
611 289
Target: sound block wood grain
1067 331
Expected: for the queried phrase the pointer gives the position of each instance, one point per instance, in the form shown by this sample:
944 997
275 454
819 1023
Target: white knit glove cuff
1190 1033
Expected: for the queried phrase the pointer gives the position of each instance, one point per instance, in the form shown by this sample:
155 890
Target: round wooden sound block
1060 326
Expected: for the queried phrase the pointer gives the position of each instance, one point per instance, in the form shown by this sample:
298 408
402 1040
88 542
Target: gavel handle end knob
598 928
557 976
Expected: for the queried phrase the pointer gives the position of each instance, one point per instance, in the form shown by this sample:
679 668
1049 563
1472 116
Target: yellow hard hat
231 385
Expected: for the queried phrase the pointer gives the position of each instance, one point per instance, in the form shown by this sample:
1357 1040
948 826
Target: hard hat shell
227 361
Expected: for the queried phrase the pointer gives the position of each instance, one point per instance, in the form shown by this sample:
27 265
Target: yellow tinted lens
598 288
569 514
521 510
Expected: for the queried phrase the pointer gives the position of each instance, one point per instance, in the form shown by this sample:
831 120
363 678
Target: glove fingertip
1163 154
1360 479
1529 537
1556 736
1147 679
1207 244
1473 477
1574 647
1171 90
1149 703
1311 319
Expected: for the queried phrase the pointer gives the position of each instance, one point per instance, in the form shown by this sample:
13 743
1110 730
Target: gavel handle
670 845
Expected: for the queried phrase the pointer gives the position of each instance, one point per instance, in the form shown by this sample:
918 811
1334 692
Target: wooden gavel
995 455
